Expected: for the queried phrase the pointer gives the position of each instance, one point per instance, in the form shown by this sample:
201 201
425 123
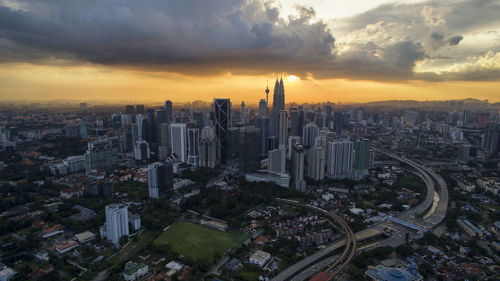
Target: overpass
434 206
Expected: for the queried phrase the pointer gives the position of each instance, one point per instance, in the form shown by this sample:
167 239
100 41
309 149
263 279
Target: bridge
433 207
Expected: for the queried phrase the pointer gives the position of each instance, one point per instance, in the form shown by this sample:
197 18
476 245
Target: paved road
342 261
435 203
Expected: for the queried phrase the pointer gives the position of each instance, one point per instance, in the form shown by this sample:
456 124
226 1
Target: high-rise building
126 120
151 127
276 162
262 108
222 115
178 141
278 105
168 109
309 134
129 109
83 130
193 136
340 156
410 117
198 118
316 162
467 152
297 168
163 153
338 122
160 179
116 222
233 146
361 157
291 141
209 148
141 150
127 144
165 135
296 122
102 154
360 115
139 109
135 133
491 139
466 116
161 118
483 119
249 144
263 125
283 129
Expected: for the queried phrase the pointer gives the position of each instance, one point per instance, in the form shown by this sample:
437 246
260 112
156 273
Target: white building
317 163
134 271
340 159
116 222
260 258
178 140
141 150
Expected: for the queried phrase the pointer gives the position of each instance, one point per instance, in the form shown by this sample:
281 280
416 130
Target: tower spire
267 92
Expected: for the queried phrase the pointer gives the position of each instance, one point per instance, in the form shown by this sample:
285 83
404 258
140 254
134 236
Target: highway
428 214
336 265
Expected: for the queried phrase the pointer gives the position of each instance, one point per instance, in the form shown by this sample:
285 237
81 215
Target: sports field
197 241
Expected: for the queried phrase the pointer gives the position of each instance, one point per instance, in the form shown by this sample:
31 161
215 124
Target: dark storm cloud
209 37
453 41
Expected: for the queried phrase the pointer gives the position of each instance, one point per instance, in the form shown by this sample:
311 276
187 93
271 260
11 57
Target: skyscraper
165 135
193 136
222 115
178 140
297 168
168 109
278 105
161 118
291 141
283 129
339 158
361 157
151 128
129 109
491 139
116 222
139 109
262 108
209 148
276 163
141 150
249 144
309 134
263 125
160 178
317 162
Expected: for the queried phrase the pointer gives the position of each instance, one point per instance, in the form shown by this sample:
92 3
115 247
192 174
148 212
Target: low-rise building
85 237
66 246
134 271
52 231
6 273
260 258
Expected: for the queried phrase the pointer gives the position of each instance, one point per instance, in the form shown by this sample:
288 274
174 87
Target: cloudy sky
335 50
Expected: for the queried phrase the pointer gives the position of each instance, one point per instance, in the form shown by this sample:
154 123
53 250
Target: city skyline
351 51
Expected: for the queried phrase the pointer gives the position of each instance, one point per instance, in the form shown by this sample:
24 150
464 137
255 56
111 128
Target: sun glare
292 78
